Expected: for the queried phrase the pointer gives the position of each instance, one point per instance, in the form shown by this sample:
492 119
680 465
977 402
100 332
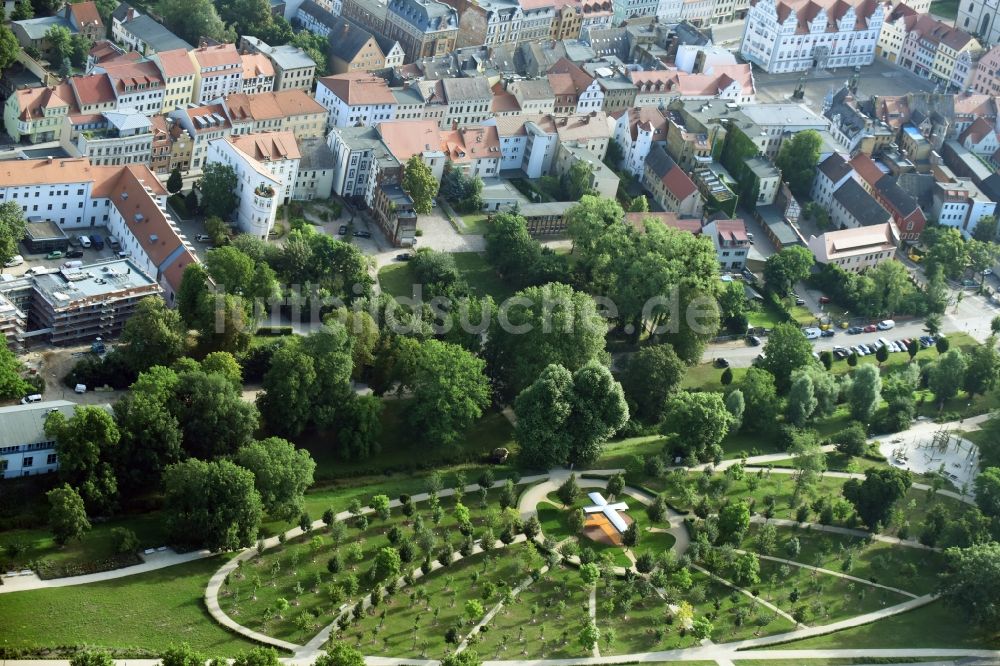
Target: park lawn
827 598
946 9
95 546
911 569
654 542
297 574
400 451
139 615
546 616
619 454
932 626
474 223
397 280
554 522
706 377
417 619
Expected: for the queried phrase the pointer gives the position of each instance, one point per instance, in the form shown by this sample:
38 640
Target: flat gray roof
72 284
39 230
25 424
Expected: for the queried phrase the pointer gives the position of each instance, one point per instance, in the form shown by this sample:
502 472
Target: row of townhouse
166 81
929 47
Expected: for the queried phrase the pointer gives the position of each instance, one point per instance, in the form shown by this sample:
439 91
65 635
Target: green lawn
397 279
474 223
654 542
416 620
619 454
299 575
546 616
136 616
932 626
706 377
909 569
95 549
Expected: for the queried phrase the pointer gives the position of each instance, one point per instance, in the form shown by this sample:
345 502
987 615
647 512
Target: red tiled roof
359 88
32 102
866 168
85 13
93 89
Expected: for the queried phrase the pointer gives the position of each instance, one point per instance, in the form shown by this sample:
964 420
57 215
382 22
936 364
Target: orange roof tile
866 168
85 13
256 65
406 138
359 88
175 62
272 105
217 56
466 144
268 146
32 102
93 89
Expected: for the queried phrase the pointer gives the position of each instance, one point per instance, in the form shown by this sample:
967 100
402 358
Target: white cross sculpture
609 510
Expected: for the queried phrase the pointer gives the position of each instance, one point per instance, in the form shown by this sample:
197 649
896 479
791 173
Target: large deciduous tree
783 269
286 403
564 418
218 188
12 229
760 398
651 376
510 249
797 160
154 335
987 486
450 390
548 324
874 497
67 516
86 444
947 375
983 368
211 504
193 19
281 475
150 440
971 583
697 422
12 384
419 182
864 393
786 350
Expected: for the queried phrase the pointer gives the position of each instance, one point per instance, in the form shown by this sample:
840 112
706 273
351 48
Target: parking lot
90 255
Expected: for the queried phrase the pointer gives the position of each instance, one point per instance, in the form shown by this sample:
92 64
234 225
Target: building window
28 461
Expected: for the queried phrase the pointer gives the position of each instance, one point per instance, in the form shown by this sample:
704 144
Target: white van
34 397
72 264
84 241
80 388
886 324
16 260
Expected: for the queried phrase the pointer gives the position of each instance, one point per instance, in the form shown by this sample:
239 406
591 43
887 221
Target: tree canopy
698 422
785 351
281 472
783 269
419 182
218 184
86 444
651 376
797 160
971 583
564 418
874 497
211 504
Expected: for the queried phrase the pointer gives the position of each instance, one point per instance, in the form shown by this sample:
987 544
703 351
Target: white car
886 324
812 333
16 260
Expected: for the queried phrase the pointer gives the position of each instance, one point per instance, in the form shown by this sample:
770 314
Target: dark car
406 256
828 333
362 234
74 254
342 230
721 363
854 330
841 353
753 341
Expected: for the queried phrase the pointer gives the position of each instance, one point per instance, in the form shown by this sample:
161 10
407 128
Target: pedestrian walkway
151 562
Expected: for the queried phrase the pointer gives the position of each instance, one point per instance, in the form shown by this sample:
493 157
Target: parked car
824 299
113 242
988 271
812 333
405 256
969 283
124 254
84 241
34 397
72 264
871 328
54 254
342 231
858 350
97 241
886 324
362 234
841 353
829 333
753 341
203 238
721 363
16 260
854 330
927 340
74 254
80 388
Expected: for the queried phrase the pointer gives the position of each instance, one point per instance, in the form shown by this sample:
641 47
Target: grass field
136 616
397 279
932 626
